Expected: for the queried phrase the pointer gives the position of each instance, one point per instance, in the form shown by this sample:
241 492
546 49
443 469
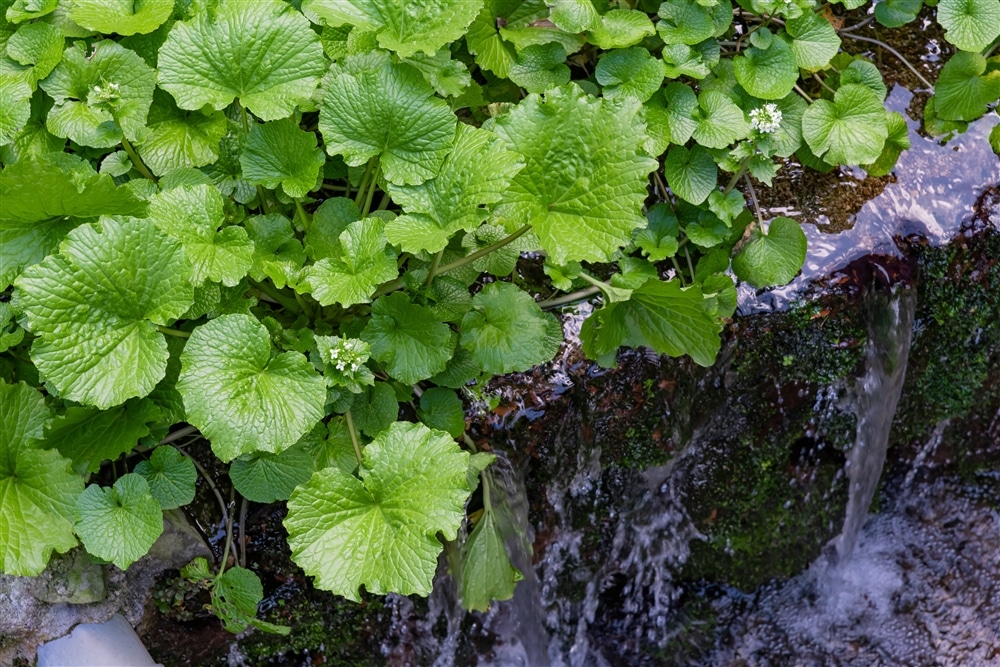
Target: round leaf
380 531
264 53
121 523
768 73
971 25
632 72
264 478
507 332
586 175
774 257
124 18
38 486
95 307
376 108
692 175
850 130
241 398
279 153
171 477
963 91
408 339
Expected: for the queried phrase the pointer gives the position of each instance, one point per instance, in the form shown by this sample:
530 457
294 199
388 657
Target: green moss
339 630
954 369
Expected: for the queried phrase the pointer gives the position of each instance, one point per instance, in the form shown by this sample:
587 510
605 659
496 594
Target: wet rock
39 609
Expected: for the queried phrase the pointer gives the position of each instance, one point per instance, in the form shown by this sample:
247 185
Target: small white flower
766 119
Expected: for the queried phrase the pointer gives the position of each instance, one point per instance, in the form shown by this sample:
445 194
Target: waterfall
890 326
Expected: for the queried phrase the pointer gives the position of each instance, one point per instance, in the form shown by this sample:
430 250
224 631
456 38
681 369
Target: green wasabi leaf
850 130
720 121
408 339
585 178
500 262
119 524
376 108
95 307
866 74
441 409
380 531
540 67
332 446
689 22
694 61
277 253
193 216
573 15
10 333
487 573
971 25
770 73
263 477
726 206
895 13
662 316
374 409
37 486
235 597
121 16
671 116
262 53
632 72
25 10
621 28
37 46
964 89
88 436
492 52
692 175
15 106
995 139
897 142
473 177
772 257
329 222
401 26
814 41
279 153
240 397
31 227
507 332
351 273
176 138
658 240
449 77
99 95
171 477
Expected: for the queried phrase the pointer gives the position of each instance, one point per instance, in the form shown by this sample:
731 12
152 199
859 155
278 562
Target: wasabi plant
275 223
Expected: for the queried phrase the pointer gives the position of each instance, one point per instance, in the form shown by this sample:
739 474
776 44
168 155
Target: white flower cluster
766 119
349 354
109 92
